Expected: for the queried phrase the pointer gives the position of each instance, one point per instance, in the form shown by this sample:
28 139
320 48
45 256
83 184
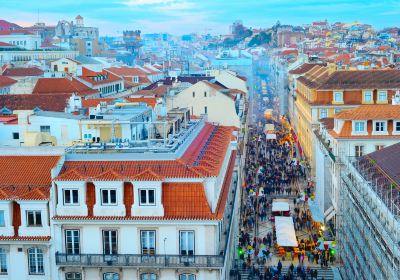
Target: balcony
128 260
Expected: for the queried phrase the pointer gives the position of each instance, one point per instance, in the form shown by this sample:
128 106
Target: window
194 94
205 94
148 242
15 135
108 197
187 276
338 111
45 128
71 197
359 151
2 221
379 147
35 261
72 242
397 126
323 113
368 96
380 126
34 218
338 96
73 276
110 242
186 243
148 276
110 276
359 126
382 96
205 109
147 197
3 261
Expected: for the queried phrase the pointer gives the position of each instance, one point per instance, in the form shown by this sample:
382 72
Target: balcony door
186 246
110 245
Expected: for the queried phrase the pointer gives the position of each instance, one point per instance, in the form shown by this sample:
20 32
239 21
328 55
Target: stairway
325 273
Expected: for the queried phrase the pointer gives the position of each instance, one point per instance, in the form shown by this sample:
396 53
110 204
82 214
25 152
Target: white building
221 105
351 133
25 236
148 215
21 38
23 56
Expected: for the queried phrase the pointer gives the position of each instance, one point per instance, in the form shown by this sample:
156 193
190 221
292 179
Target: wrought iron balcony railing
128 260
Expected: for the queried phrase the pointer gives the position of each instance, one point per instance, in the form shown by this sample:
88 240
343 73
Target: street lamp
165 253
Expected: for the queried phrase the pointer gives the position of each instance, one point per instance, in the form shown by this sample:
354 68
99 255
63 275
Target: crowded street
278 237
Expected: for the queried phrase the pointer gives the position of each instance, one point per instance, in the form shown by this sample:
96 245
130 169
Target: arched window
148 276
187 276
110 276
73 276
3 260
35 261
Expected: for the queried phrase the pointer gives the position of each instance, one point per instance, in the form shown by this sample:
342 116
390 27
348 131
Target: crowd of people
271 168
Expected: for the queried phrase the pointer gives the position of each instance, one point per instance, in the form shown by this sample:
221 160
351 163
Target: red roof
104 77
181 201
26 177
3 44
5 25
22 72
62 85
51 102
6 81
15 32
127 71
9 119
205 160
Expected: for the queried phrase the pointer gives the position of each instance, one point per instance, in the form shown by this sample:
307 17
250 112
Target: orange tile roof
62 85
88 76
6 81
371 112
26 177
181 201
347 128
25 238
199 162
185 201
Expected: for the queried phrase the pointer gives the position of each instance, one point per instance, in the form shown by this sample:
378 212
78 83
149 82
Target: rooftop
371 112
62 85
49 102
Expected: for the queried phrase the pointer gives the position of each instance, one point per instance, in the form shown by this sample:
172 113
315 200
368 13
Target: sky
200 16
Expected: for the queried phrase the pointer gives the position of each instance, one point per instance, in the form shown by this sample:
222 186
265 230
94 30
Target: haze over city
208 16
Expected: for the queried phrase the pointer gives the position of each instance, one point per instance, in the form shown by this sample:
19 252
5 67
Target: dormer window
108 197
71 197
397 126
382 96
380 126
338 96
147 197
367 97
359 127
135 79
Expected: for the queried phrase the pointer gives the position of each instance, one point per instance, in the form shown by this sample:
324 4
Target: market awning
285 234
280 205
316 214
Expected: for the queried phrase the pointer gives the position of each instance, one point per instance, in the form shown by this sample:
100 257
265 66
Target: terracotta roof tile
23 72
6 81
371 112
25 238
62 85
26 177
49 102
192 165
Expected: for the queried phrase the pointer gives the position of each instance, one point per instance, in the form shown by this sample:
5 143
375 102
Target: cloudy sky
211 16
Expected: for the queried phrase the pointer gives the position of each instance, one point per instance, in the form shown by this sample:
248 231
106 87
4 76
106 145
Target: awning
280 205
285 234
316 214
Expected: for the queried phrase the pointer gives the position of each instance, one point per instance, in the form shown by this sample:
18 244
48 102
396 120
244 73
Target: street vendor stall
280 207
285 233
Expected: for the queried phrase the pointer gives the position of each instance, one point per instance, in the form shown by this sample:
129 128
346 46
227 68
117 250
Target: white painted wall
29 42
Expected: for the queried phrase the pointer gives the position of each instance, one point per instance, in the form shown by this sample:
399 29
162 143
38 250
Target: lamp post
165 253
